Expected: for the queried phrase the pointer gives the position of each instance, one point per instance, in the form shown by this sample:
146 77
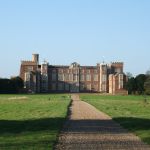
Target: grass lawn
31 121
130 111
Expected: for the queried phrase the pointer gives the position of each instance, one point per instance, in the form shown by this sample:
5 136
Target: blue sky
64 31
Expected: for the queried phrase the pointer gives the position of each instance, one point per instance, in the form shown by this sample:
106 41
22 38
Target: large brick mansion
45 78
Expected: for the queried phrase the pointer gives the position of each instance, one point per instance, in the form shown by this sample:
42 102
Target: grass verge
31 121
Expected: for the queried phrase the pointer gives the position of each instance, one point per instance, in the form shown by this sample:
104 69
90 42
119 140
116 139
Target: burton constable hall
47 78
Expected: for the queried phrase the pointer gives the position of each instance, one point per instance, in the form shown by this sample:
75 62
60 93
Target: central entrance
74 84
74 88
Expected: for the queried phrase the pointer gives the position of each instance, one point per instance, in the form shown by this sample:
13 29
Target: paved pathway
89 129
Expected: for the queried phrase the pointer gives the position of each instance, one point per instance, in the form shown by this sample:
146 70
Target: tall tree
140 80
13 85
5 86
17 83
147 85
131 85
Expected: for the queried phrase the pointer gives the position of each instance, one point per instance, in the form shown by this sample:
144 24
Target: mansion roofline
102 78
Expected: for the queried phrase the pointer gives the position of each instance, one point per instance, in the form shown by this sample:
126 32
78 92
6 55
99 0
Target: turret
35 58
117 67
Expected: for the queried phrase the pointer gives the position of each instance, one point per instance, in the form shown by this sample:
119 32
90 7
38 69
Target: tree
131 85
17 83
5 86
140 80
147 85
13 85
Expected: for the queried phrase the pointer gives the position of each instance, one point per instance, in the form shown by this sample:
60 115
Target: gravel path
89 129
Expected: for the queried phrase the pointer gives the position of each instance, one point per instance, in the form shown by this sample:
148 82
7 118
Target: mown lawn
31 121
132 112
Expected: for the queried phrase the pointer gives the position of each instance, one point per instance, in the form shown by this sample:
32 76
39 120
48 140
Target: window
104 68
44 68
82 70
104 77
95 77
27 76
95 86
44 77
88 71
60 77
103 87
75 77
121 84
75 71
60 70
120 81
67 71
30 68
88 77
67 77
95 71
81 77
121 76
88 86
54 77
71 77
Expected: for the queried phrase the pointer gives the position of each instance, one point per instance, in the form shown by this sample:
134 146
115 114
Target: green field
132 112
31 121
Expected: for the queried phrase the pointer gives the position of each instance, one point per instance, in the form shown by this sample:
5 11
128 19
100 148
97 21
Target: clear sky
64 31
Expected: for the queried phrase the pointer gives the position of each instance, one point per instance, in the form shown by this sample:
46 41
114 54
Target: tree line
13 85
139 84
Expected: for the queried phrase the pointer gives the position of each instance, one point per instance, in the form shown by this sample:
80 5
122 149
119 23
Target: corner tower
29 73
116 67
35 58
117 79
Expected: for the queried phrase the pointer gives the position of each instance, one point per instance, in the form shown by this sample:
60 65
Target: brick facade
102 78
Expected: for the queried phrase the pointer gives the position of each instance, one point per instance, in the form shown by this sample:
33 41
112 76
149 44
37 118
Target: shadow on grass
26 134
136 125
18 126
53 125
21 145
30 134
